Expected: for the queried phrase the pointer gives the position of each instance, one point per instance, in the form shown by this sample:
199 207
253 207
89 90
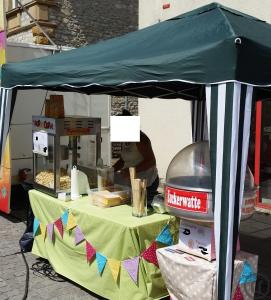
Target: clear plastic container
190 168
97 198
105 177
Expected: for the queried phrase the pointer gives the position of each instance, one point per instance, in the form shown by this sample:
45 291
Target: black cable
43 268
27 277
24 249
15 253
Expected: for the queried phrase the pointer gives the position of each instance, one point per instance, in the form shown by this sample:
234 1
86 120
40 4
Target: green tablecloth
112 232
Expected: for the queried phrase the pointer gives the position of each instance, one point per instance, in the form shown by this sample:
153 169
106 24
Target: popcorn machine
58 145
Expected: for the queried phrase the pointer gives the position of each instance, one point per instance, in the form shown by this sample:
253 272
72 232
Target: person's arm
118 165
145 148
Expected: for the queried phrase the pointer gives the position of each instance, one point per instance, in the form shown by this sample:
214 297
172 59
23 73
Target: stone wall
22 37
74 23
83 22
119 103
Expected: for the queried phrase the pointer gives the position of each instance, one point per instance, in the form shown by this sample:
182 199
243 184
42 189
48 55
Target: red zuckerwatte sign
187 200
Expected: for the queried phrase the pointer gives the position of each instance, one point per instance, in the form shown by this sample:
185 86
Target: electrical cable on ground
26 278
43 268
15 253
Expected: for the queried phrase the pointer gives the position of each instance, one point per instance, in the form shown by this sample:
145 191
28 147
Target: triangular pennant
43 230
36 225
150 254
50 230
64 217
59 226
71 222
101 262
114 266
238 294
131 266
90 251
247 274
165 236
78 236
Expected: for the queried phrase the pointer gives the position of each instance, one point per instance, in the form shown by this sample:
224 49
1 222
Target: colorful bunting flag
150 254
36 225
114 266
43 230
65 217
50 230
59 226
71 222
78 236
165 236
247 274
90 251
101 262
238 294
131 266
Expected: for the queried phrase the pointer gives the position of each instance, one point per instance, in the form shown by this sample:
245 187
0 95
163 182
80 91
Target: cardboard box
198 239
54 107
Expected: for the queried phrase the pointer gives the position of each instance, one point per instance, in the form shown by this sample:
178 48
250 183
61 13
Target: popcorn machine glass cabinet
44 166
58 145
52 172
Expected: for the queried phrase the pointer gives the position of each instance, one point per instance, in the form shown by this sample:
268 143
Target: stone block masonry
119 103
89 21
74 23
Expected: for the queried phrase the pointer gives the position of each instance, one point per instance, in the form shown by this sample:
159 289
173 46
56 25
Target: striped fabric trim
229 114
42 86
5 107
199 121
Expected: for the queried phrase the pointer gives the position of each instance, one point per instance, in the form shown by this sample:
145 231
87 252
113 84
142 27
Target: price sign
197 240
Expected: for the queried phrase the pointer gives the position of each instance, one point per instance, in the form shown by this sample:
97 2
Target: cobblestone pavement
255 237
13 270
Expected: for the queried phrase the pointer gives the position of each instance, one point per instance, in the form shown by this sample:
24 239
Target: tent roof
172 59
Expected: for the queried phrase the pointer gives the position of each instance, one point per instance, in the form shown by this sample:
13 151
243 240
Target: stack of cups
74 184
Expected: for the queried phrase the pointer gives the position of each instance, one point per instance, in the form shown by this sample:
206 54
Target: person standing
139 155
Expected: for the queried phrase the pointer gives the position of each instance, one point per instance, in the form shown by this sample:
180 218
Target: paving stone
2 284
13 271
4 289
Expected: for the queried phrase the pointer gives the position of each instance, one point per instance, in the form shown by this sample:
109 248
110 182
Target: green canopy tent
212 53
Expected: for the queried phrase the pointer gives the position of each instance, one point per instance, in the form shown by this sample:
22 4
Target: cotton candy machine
188 192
